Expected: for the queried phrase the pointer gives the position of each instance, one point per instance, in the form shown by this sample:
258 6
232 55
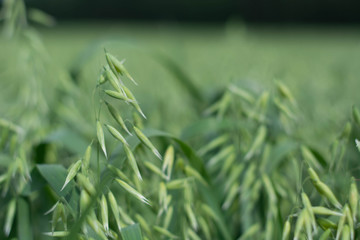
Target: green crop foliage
96 147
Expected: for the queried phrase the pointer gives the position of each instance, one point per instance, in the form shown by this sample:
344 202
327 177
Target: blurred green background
319 64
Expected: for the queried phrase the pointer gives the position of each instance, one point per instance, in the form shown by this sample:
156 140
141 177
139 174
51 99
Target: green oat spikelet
147 142
114 209
100 136
132 161
10 214
116 115
133 192
116 134
72 173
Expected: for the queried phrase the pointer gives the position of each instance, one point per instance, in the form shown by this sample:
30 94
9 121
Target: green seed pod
350 221
192 235
308 226
102 79
132 161
86 159
299 224
168 161
134 103
110 76
116 134
286 230
100 136
119 173
114 209
251 232
191 172
353 199
115 114
258 141
118 67
356 115
284 109
168 217
324 190
10 214
127 219
326 235
225 102
56 216
227 166
73 170
313 175
326 223
118 95
310 158
210 212
162 195
177 184
242 93
205 228
231 195
152 167
84 201
96 226
85 183
217 142
143 223
191 216
341 224
223 153
138 121
346 233
269 189
285 92
346 131
146 142
104 213
133 192
165 232
308 207
325 211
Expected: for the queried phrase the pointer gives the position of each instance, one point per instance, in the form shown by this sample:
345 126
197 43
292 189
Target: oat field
176 131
